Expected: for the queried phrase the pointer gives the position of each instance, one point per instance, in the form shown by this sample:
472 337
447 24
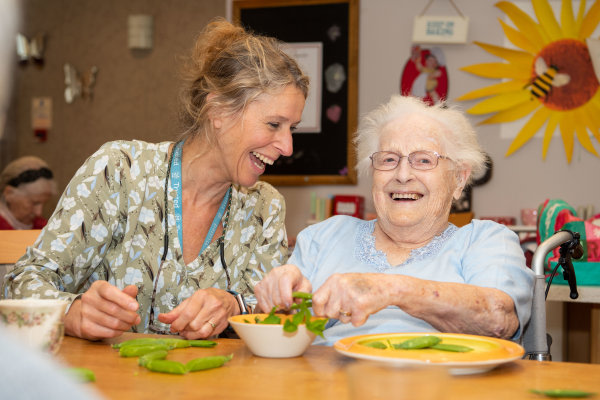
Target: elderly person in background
26 373
168 237
26 184
410 270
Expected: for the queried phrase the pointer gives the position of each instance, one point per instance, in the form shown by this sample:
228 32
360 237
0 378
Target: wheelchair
536 341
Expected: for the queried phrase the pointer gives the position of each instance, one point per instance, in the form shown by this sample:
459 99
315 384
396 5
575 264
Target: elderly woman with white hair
410 270
26 184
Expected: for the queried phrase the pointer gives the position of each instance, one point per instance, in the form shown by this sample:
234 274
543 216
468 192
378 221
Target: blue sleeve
305 252
494 258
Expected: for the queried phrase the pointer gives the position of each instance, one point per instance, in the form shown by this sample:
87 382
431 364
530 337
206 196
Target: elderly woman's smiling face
411 200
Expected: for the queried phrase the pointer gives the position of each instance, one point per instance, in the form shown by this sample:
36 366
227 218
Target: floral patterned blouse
109 225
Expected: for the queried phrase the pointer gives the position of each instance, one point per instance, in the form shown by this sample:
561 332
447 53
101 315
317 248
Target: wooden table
319 374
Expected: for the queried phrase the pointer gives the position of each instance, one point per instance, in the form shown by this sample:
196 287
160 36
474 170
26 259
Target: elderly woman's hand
104 311
275 290
201 315
351 297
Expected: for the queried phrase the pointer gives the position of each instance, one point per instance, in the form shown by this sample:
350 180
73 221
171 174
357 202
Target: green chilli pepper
202 343
155 355
563 393
140 350
82 374
375 345
452 347
420 342
199 364
167 366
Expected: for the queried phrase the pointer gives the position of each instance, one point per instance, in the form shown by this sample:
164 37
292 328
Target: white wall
521 181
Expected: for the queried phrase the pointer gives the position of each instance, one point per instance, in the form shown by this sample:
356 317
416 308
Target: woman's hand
104 311
351 297
275 290
202 315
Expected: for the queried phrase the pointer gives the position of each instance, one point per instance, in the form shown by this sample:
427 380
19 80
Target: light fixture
140 31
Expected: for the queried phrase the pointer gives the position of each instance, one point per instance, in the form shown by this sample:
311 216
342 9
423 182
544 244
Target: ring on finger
212 324
345 313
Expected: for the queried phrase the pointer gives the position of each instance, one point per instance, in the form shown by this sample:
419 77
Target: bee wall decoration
31 49
546 78
549 75
78 85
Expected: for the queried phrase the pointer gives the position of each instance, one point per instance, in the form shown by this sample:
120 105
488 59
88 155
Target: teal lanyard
178 200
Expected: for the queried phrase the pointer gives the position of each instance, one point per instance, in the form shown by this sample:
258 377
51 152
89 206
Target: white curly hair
458 138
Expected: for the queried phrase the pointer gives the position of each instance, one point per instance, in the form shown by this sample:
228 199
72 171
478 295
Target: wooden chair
461 218
13 245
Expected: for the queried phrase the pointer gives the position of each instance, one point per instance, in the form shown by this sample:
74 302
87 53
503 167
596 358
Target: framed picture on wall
322 35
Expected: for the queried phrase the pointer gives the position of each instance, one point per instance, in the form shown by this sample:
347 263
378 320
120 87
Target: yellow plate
487 352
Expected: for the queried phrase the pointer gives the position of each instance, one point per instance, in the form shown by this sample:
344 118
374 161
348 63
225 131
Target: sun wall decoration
549 79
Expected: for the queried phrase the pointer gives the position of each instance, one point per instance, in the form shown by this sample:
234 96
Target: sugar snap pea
135 342
297 306
563 393
202 343
457 348
302 295
155 355
82 374
376 345
174 343
420 342
140 350
199 364
167 366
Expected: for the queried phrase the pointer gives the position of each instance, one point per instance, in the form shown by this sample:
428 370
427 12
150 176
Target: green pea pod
135 342
302 295
202 343
199 364
82 374
563 393
140 350
421 342
174 343
375 345
305 304
155 355
452 347
167 367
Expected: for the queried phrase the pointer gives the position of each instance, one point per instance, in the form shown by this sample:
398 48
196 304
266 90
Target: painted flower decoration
550 78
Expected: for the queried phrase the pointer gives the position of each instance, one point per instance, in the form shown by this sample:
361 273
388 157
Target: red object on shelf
349 205
502 220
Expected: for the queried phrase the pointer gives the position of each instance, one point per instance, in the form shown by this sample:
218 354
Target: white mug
37 322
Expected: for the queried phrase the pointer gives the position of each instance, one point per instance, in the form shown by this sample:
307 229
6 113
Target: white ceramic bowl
39 323
270 340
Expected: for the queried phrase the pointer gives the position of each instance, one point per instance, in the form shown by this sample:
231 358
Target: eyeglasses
421 160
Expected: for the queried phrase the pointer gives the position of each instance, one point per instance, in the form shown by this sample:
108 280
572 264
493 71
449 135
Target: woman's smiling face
408 198
261 135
